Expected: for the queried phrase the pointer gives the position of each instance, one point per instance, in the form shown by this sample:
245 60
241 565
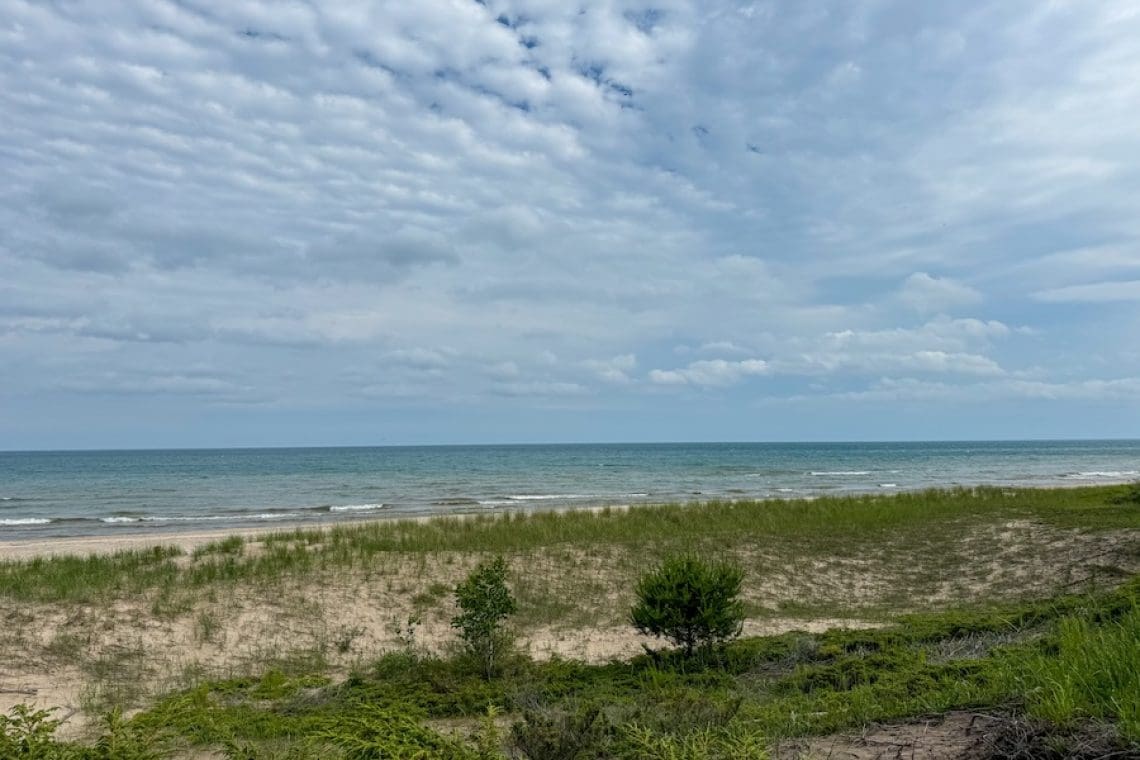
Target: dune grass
813 528
1068 661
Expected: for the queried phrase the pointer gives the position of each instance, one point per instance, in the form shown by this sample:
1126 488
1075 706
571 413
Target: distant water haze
68 493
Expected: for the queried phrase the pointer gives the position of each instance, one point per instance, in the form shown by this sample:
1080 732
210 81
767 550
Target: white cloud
1116 390
420 358
940 361
1096 292
930 295
722 347
615 370
540 388
710 372
875 363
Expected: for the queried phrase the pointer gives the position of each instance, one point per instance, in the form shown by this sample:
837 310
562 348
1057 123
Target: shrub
710 744
484 602
375 732
690 602
27 732
573 732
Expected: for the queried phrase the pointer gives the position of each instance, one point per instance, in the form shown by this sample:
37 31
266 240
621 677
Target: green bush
378 733
710 744
485 602
26 732
690 602
29 733
574 732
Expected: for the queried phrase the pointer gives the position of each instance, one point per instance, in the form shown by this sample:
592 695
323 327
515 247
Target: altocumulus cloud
606 208
710 372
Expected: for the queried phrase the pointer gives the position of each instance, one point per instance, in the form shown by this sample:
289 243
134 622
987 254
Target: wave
888 485
456 502
1102 474
25 521
119 519
839 472
357 507
547 496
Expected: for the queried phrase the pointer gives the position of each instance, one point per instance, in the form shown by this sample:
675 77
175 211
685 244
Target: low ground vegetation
1045 648
1069 665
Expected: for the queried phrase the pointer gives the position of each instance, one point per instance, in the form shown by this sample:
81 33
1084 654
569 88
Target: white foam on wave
209 518
495 502
840 472
25 521
202 518
1103 474
637 495
357 507
888 485
546 496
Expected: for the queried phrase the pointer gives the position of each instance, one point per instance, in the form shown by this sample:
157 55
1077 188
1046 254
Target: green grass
1067 661
1088 672
808 528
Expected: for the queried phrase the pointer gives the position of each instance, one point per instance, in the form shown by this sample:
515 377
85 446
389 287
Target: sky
256 223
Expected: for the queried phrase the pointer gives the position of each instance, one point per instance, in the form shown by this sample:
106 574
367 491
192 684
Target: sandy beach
86 545
188 541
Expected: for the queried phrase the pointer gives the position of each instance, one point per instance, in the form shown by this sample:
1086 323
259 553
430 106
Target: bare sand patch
955 735
622 642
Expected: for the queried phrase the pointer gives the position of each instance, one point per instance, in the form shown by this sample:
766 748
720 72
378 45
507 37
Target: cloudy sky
262 222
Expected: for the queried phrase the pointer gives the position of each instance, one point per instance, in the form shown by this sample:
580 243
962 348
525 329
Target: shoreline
83 546
188 541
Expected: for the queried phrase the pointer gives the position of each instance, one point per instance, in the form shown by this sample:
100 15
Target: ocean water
76 493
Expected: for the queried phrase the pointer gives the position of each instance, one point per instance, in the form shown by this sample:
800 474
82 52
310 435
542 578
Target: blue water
69 493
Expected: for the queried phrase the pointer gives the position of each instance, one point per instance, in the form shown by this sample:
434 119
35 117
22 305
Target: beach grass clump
1084 672
1130 497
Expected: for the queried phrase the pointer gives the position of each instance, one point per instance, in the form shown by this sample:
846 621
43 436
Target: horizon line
524 444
